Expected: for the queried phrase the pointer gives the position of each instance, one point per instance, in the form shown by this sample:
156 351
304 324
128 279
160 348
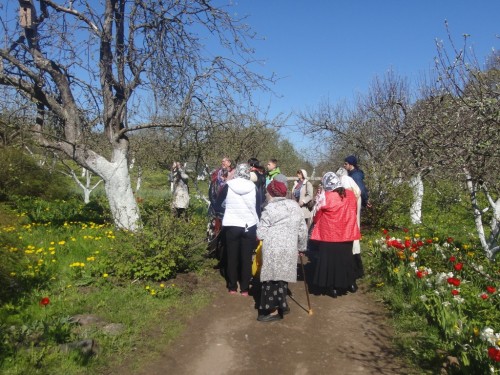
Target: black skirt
335 267
359 270
273 295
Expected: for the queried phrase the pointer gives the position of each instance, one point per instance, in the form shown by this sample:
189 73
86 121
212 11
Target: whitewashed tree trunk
417 186
490 246
118 188
139 179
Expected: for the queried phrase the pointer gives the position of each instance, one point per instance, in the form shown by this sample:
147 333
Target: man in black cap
351 165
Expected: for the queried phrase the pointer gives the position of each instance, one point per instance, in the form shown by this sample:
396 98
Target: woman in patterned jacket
283 232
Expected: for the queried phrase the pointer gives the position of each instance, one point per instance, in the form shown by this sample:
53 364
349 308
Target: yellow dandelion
147 287
153 292
61 242
417 235
12 274
162 285
396 270
105 275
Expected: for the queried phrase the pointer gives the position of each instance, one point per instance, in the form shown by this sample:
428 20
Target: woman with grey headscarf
335 229
239 225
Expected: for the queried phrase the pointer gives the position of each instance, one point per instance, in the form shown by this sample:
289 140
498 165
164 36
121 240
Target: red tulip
405 230
484 296
494 354
385 231
491 289
453 281
455 292
449 239
452 259
420 274
458 266
44 301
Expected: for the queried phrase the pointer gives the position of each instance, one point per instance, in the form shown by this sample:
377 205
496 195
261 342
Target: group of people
255 205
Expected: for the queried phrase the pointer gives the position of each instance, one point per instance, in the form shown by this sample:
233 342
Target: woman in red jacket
335 229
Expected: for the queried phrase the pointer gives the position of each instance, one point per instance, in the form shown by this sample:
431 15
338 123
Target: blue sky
328 49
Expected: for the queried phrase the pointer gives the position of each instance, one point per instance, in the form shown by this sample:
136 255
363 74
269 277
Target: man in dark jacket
351 165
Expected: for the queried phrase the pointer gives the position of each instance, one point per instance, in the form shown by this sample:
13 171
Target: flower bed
452 286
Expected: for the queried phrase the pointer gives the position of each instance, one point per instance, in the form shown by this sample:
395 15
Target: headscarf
242 171
304 173
347 182
341 172
330 181
276 189
281 178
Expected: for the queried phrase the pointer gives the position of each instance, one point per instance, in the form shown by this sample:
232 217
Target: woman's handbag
310 204
257 260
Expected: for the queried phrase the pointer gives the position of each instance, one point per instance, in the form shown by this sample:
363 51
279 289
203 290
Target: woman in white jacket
239 225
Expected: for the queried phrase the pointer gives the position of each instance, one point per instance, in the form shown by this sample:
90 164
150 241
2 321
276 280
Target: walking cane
305 285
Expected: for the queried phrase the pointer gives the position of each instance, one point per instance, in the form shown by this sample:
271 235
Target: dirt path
346 335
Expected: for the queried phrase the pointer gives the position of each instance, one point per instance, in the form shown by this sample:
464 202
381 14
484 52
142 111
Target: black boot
353 288
332 292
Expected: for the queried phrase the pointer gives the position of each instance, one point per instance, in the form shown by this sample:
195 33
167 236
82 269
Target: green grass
69 263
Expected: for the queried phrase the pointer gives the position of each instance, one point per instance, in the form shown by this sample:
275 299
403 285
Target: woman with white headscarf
239 225
335 229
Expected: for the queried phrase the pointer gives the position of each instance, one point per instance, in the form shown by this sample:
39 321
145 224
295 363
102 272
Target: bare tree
379 129
470 124
94 66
